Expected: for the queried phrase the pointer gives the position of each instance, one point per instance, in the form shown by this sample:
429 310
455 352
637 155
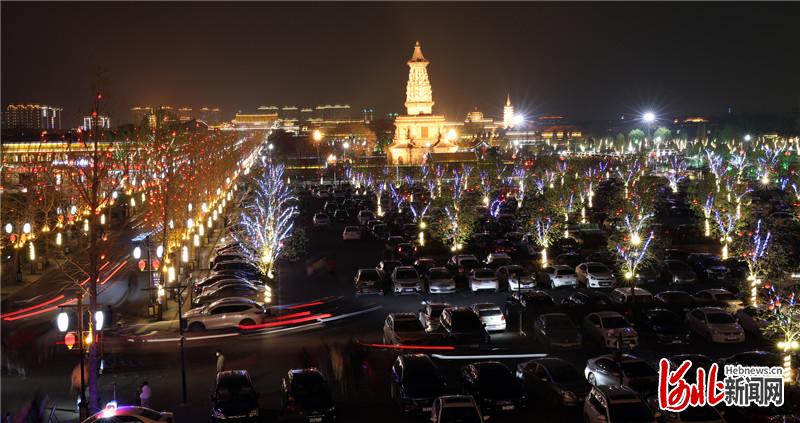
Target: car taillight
502 317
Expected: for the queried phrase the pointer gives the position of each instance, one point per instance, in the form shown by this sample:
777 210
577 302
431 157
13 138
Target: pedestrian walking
220 361
144 394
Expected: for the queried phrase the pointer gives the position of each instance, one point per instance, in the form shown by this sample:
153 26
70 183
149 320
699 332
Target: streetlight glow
649 117
137 253
518 119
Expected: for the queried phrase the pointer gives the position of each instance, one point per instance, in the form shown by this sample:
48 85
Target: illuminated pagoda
419 131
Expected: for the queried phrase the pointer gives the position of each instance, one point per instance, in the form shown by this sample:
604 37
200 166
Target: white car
483 279
610 328
516 277
129 413
623 369
491 316
405 280
560 275
225 313
595 275
455 408
440 281
612 404
351 233
715 324
719 296
321 219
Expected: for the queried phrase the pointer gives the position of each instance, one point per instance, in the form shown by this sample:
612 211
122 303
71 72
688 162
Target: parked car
679 273
386 267
351 233
306 395
341 215
368 281
674 300
515 277
129 413
552 380
483 279
708 267
558 275
461 326
492 385
321 219
754 320
699 414
623 296
391 244
492 317
430 314
406 252
440 281
225 313
556 330
416 383
610 329
569 259
234 398
623 369
403 328
423 264
455 408
718 296
665 326
495 260
595 275
581 303
461 264
237 265
405 280
365 216
612 404
227 289
715 324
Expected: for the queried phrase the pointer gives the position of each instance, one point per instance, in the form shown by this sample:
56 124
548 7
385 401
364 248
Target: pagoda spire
419 96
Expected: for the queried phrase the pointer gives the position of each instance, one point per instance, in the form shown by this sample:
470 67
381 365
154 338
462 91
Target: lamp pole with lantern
149 266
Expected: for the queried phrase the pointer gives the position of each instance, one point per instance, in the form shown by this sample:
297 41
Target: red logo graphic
675 394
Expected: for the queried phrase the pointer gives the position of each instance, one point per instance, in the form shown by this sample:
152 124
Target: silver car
516 277
405 280
624 369
561 275
610 329
611 404
440 281
225 313
482 280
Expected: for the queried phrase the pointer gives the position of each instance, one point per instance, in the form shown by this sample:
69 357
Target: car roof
602 314
636 291
404 316
499 255
233 300
485 306
232 374
623 358
715 291
617 393
594 263
562 267
457 400
712 310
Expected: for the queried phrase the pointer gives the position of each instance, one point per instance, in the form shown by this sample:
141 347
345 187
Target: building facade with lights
31 116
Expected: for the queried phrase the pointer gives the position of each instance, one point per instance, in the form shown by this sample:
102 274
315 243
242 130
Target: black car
379 231
406 251
535 301
416 382
307 396
461 326
552 380
674 300
234 398
341 215
698 361
578 304
392 243
708 267
556 330
493 386
570 259
665 326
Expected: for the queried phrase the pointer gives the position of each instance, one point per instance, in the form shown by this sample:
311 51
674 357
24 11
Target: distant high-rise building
289 113
32 116
185 114
102 122
508 113
369 114
333 112
209 115
139 113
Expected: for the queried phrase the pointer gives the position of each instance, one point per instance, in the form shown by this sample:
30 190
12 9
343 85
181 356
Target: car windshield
496 380
484 273
699 414
490 312
407 325
720 318
406 274
466 321
567 271
460 415
369 275
559 323
637 369
565 374
235 388
614 322
677 266
518 272
598 269
439 274
468 263
629 412
664 318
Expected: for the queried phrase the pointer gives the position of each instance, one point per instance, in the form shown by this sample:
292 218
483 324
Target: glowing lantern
62 321
142 264
69 340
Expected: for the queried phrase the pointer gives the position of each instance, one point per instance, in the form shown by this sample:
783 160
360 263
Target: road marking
355 313
487 356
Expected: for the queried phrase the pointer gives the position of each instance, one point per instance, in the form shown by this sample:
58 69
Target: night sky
586 61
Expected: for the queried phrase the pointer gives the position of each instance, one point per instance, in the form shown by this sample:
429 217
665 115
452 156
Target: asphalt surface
268 356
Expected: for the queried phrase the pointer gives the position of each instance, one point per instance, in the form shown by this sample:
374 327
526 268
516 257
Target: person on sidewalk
144 394
220 361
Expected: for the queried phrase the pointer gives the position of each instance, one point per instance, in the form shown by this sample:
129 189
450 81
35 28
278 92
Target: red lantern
156 264
69 340
767 285
142 264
